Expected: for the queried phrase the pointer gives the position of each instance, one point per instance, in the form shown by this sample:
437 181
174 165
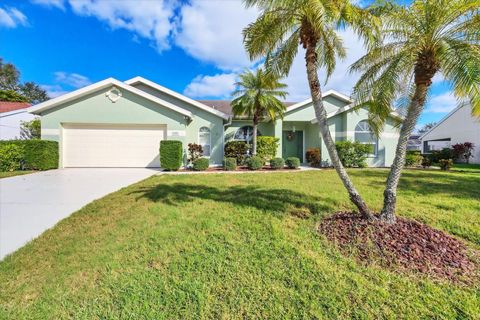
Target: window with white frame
245 133
364 135
204 140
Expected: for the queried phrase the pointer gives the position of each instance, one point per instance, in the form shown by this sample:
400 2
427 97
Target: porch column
278 134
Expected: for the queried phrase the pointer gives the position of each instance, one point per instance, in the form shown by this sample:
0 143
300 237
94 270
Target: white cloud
211 31
12 17
441 103
60 4
74 80
220 86
149 19
54 91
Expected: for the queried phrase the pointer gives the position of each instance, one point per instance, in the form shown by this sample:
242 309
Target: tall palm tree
284 25
257 96
426 38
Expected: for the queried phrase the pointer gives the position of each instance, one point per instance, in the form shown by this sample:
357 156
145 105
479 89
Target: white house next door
105 145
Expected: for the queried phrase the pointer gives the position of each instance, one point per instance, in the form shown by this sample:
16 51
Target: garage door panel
112 146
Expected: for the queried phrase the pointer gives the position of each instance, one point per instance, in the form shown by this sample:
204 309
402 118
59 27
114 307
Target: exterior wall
10 123
306 113
459 126
132 109
265 128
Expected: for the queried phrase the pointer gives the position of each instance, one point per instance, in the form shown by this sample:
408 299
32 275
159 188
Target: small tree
195 151
463 151
30 129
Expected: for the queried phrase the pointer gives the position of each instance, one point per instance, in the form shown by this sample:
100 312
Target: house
414 143
456 127
11 115
120 124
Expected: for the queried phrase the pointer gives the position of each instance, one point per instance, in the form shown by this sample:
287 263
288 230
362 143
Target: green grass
466 167
225 246
13 173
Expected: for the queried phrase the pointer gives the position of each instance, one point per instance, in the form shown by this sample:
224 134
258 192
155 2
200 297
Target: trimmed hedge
35 154
292 162
10 157
413 158
201 164
255 163
237 150
353 154
229 164
277 163
171 154
267 147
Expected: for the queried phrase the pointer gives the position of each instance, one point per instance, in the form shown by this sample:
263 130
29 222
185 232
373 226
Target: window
204 140
245 133
364 135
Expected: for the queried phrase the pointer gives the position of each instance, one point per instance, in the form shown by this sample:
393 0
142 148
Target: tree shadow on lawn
278 201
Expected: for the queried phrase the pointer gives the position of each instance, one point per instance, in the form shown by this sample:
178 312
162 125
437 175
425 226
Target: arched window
245 133
364 135
204 140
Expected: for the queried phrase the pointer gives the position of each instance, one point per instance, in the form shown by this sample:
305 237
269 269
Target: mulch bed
406 245
242 168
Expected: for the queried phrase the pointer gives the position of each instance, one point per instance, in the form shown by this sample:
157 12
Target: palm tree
257 95
284 25
427 38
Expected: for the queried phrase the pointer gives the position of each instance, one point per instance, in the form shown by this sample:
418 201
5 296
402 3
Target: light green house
120 124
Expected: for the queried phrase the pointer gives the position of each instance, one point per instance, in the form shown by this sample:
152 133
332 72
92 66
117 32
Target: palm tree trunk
254 138
321 115
390 194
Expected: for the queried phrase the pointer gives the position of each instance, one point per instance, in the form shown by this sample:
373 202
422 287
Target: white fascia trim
333 93
11 113
443 120
176 95
104 84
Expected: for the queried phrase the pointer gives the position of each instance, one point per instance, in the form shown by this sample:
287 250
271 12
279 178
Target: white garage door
112 145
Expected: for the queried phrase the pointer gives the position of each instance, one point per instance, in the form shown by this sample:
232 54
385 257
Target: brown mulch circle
406 245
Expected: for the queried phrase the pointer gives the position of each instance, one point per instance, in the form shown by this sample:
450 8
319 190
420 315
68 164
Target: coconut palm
257 96
426 38
283 25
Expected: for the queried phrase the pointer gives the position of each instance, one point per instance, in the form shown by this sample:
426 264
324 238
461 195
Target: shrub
255 163
171 154
437 155
10 157
195 151
426 161
30 129
292 162
463 151
353 154
237 150
267 147
40 155
313 157
277 163
229 164
445 164
201 164
413 158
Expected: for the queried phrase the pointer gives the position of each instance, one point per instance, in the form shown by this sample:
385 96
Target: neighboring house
120 124
414 142
11 114
456 127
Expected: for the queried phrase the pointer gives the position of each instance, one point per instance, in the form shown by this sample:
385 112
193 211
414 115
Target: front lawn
470 167
13 173
232 246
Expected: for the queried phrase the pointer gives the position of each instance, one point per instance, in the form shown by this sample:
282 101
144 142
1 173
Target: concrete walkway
33 203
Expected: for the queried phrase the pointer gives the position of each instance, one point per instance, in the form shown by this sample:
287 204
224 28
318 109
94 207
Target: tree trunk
321 115
390 194
254 137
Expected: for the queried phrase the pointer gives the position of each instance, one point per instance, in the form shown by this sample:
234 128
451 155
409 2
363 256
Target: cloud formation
12 17
219 85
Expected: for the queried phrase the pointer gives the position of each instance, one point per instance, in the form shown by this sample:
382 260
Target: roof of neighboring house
225 107
7 106
443 120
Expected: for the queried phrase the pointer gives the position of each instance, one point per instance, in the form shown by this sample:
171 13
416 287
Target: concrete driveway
33 203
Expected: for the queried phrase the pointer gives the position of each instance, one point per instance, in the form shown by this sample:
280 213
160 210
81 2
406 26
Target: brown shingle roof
225 107
7 106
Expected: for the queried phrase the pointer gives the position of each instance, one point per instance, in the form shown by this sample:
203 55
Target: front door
292 144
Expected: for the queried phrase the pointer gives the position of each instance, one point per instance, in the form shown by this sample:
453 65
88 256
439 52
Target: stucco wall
10 123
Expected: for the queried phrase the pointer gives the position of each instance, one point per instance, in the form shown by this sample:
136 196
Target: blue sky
192 47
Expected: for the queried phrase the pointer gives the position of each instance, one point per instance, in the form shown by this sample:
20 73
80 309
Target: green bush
353 154
445 164
292 162
35 154
426 162
277 163
11 156
237 150
255 163
313 157
171 154
413 158
229 164
444 154
267 147
201 164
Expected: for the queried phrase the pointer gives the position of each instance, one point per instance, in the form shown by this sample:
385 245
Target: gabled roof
7 106
100 85
332 93
226 107
443 120
177 95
